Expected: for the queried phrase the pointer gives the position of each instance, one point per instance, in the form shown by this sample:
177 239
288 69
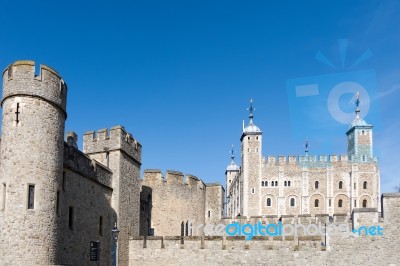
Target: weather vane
357 102
251 109
307 146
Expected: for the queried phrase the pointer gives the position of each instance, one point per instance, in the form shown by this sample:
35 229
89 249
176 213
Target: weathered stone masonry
55 199
302 250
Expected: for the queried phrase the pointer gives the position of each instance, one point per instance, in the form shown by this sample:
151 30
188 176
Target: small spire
251 109
307 146
232 166
357 102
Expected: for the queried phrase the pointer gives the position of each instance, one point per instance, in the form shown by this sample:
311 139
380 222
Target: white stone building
303 185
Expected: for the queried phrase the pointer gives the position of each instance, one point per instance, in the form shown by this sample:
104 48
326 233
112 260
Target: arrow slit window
31 197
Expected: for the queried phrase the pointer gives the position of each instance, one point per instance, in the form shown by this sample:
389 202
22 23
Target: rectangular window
355 204
253 191
354 185
71 218
31 197
101 226
330 202
58 203
3 202
209 214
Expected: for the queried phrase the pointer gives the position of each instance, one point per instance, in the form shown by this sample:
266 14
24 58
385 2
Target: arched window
363 158
316 203
365 185
272 183
276 183
187 229
340 184
285 183
268 202
266 183
292 202
288 183
340 204
365 203
182 229
316 184
262 183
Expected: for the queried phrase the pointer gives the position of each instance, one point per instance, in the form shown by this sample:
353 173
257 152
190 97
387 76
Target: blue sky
179 74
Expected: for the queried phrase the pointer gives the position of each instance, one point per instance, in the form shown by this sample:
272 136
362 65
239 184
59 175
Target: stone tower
32 141
251 166
232 171
359 138
117 150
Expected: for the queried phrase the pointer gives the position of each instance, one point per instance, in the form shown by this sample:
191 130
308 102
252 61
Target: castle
305 184
56 199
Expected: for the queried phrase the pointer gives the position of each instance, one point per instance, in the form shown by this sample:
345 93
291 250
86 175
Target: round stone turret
32 144
20 79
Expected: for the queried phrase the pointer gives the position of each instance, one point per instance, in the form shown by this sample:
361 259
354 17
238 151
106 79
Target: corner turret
359 137
251 158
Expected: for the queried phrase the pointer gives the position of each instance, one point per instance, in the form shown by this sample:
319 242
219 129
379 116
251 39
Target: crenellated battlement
318 160
332 241
78 162
116 138
175 177
238 243
289 219
155 176
193 181
21 79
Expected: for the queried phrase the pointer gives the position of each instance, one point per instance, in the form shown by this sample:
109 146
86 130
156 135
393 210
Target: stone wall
214 205
86 191
341 250
178 202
